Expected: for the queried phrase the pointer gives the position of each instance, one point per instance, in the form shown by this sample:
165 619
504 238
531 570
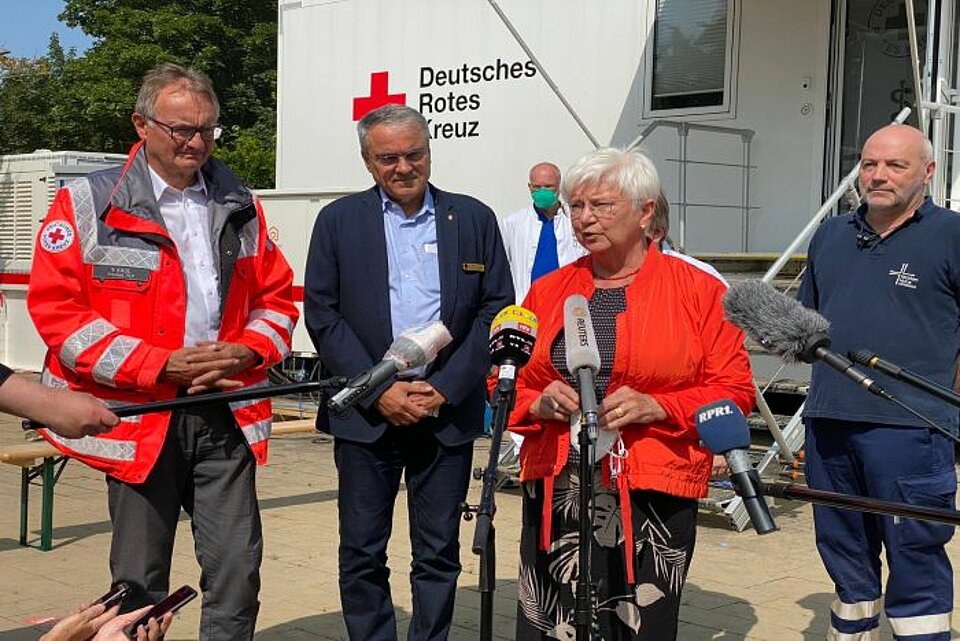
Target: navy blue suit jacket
347 307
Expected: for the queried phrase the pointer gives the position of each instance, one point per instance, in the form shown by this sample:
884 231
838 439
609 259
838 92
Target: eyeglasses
392 160
600 208
183 135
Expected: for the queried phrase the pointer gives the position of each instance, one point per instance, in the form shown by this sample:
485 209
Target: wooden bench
40 460
36 460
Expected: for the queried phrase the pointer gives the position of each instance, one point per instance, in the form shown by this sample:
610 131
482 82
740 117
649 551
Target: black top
604 306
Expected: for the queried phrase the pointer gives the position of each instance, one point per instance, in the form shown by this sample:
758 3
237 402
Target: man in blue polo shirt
887 277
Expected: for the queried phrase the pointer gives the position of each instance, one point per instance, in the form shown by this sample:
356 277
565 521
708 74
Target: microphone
512 334
785 327
871 360
415 347
723 429
583 358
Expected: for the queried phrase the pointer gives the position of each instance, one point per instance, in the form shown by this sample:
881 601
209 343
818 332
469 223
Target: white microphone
415 347
583 358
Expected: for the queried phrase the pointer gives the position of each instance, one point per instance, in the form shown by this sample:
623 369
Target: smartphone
172 603
116 594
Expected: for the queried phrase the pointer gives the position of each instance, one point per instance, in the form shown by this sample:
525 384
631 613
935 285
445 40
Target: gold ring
619 411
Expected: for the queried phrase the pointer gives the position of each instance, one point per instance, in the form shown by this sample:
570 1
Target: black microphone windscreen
778 322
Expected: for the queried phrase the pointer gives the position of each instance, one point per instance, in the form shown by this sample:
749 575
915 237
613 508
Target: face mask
544 198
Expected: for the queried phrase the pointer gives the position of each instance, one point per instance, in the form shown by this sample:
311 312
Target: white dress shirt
521 234
187 217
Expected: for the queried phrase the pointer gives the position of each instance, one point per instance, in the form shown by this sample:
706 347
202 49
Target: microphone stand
485 534
860 503
198 400
589 430
875 362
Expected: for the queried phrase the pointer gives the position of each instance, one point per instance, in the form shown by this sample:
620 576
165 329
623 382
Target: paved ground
741 586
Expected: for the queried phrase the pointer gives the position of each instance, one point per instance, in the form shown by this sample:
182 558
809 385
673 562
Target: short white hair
631 172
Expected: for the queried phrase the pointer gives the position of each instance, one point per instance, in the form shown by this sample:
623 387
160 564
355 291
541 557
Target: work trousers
894 463
206 468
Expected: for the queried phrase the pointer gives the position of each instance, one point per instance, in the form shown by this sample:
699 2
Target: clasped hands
208 366
622 407
408 402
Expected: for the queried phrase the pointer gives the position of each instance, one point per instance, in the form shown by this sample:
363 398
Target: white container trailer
753 109
28 183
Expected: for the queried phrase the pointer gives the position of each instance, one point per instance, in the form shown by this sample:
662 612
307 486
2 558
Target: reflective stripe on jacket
108 296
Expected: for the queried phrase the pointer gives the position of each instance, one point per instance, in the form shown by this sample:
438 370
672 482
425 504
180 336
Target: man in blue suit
397 255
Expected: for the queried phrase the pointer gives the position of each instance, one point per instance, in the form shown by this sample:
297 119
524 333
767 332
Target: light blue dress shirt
413 264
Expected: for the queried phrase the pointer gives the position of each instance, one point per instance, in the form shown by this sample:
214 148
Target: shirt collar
390 207
160 185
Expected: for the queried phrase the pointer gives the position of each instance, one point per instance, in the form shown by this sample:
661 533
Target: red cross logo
379 96
56 236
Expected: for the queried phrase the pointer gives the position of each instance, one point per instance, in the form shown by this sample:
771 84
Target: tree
27 87
70 102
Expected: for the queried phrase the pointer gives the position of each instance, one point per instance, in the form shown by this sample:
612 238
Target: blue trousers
904 464
436 479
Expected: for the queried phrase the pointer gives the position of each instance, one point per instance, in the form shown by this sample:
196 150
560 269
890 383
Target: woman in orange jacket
665 350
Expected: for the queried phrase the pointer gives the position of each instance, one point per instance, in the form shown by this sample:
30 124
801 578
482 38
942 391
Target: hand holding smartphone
172 603
116 594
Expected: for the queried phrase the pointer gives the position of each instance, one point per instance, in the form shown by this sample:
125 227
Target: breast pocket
119 292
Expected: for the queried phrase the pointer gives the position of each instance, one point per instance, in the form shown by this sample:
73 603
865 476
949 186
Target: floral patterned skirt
664 532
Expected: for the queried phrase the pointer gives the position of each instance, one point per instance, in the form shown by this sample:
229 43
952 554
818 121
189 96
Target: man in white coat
539 238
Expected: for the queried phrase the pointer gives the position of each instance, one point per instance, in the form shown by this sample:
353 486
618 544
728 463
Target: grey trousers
207 469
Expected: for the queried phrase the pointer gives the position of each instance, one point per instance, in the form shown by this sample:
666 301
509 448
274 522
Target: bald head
896 165
545 174
544 186
906 136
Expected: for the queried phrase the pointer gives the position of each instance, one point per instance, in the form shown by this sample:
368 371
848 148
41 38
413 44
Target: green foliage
62 101
252 155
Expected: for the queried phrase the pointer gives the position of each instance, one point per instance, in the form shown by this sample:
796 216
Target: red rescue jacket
107 294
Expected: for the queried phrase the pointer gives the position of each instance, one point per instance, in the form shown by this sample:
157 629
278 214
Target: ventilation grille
16 223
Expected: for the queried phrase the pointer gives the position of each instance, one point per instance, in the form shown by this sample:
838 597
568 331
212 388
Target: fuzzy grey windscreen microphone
776 321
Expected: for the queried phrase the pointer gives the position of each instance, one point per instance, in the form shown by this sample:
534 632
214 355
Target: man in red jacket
155 281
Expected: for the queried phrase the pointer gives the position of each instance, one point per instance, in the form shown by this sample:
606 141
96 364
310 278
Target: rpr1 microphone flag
723 429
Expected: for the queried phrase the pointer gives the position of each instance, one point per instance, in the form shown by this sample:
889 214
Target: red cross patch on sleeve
56 236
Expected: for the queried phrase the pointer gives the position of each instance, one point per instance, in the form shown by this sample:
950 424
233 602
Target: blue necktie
546 259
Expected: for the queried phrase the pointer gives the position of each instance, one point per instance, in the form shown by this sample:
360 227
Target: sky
26 25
